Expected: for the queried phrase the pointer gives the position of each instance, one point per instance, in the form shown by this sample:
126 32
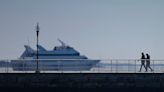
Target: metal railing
80 66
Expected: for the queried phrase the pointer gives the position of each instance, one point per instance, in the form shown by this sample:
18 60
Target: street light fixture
37 34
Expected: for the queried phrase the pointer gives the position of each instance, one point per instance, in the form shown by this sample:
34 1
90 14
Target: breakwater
82 80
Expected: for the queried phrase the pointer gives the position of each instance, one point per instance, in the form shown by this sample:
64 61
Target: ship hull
53 65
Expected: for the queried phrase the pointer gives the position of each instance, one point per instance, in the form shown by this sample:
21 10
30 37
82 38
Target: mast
62 43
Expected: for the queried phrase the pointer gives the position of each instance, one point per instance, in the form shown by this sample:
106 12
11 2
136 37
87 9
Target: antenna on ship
37 34
63 44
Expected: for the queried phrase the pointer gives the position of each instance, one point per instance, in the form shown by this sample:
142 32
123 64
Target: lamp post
37 34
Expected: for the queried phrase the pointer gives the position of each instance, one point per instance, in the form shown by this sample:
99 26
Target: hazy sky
96 28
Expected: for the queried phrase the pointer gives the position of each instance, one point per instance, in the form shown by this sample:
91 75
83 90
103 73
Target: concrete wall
84 80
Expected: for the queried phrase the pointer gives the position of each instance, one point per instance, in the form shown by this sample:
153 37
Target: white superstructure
61 57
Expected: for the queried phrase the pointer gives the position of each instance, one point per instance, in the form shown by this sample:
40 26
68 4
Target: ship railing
104 66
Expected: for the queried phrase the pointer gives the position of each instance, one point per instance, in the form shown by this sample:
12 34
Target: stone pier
82 80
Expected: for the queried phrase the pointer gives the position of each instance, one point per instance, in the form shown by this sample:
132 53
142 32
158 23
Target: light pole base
37 71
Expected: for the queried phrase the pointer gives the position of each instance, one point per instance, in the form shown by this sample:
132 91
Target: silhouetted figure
142 61
148 62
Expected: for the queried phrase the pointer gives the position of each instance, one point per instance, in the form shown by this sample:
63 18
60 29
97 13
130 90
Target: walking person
148 62
142 61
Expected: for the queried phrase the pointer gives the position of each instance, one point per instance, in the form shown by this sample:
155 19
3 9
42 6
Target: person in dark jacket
142 61
148 62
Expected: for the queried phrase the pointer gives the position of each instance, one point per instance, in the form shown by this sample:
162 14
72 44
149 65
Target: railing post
98 68
111 65
162 68
58 66
116 66
7 65
77 67
135 66
61 68
23 66
128 66
153 67
5 68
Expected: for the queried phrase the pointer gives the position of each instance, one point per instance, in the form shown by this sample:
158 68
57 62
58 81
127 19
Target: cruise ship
63 57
